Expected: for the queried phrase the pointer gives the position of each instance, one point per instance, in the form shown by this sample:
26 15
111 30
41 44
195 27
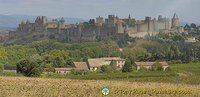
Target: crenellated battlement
90 30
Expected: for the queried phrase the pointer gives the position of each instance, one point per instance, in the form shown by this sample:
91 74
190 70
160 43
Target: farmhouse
63 70
148 65
95 63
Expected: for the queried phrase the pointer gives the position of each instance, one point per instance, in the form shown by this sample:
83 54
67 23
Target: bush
49 68
157 67
175 62
168 69
1 67
142 69
106 69
73 71
79 72
127 67
28 68
116 69
133 68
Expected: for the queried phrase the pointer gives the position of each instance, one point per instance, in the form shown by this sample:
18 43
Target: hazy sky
187 10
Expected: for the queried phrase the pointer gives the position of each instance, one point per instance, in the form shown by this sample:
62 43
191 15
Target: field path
34 87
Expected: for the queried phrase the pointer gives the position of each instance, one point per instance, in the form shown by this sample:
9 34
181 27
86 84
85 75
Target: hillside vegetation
61 53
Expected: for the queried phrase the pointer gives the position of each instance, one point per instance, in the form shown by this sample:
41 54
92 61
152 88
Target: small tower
62 20
27 22
62 23
175 21
44 19
38 20
22 22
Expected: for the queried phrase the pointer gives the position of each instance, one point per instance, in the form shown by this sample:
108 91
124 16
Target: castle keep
113 25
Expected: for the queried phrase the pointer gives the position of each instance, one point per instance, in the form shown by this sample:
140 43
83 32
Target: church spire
27 22
129 16
22 22
175 16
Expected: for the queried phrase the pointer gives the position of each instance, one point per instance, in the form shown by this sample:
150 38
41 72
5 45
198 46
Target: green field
182 73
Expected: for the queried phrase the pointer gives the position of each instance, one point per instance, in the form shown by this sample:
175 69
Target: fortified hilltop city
113 25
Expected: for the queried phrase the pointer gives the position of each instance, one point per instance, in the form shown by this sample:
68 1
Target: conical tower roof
175 16
22 22
62 20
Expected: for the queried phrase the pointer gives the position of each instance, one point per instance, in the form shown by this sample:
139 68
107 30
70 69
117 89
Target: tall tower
99 20
175 21
44 19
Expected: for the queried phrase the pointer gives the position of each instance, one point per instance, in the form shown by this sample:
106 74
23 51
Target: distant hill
8 22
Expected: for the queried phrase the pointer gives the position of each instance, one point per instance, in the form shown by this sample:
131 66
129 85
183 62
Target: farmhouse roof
150 63
81 65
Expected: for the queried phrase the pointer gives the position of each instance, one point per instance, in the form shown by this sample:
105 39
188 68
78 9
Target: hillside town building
113 25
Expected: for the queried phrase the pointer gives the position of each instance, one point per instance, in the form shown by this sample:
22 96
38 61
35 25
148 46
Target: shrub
168 69
133 68
73 71
35 72
127 67
142 69
106 69
175 62
116 69
157 67
79 72
49 68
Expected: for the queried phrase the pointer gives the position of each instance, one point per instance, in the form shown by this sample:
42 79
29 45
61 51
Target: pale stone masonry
113 25
148 65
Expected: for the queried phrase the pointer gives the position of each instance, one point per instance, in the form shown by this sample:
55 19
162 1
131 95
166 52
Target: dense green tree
127 67
49 68
28 68
58 62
